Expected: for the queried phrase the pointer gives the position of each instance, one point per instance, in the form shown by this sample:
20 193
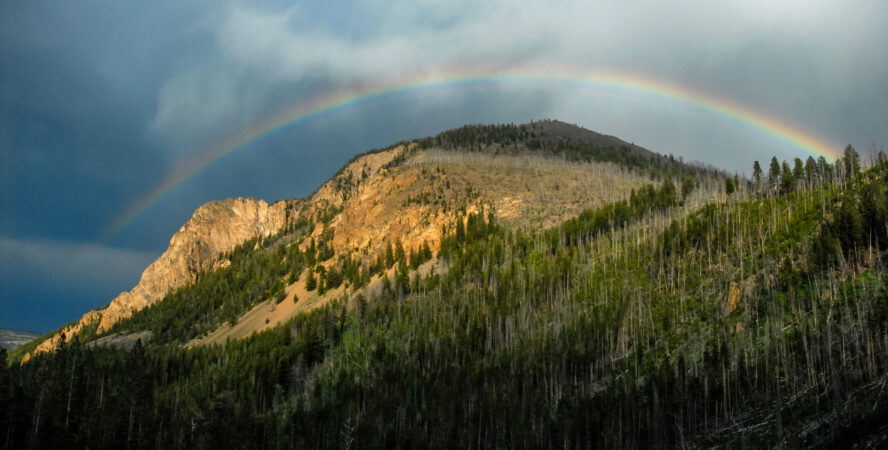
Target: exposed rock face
215 228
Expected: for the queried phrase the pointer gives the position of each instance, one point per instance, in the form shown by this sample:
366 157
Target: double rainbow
355 96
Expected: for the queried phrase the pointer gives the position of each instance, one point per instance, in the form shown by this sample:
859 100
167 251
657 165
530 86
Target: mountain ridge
372 177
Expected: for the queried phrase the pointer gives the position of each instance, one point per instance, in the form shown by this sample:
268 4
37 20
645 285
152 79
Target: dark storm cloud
77 84
77 89
99 100
44 281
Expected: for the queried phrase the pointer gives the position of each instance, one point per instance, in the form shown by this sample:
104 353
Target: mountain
515 286
13 339
533 175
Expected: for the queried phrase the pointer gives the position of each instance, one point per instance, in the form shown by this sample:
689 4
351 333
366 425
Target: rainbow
535 76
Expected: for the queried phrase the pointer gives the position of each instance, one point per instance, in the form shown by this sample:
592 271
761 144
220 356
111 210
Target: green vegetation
514 138
757 321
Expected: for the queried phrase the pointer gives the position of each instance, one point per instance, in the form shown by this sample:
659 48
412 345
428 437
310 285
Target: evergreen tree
810 170
874 211
798 170
666 196
687 186
426 250
322 284
757 174
774 173
787 181
824 250
400 254
729 185
849 223
389 256
333 279
402 278
460 231
311 283
852 161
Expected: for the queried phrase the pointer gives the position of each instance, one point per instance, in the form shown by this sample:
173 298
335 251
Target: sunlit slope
403 197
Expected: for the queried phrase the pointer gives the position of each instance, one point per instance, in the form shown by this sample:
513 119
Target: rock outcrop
216 227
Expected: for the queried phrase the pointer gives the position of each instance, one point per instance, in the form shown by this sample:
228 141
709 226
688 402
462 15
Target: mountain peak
534 175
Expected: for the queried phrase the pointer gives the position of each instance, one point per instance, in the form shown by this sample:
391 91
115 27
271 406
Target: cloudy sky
102 101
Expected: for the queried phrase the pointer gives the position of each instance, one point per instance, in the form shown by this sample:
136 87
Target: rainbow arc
531 76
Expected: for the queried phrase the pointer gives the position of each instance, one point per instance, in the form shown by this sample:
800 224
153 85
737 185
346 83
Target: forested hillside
752 315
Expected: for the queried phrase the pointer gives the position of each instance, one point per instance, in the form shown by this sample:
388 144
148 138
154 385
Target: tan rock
215 228
734 297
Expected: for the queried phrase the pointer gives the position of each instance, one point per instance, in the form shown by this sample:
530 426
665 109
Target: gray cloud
797 60
78 265
99 100
46 283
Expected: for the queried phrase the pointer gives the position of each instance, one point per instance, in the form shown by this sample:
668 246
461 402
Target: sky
102 101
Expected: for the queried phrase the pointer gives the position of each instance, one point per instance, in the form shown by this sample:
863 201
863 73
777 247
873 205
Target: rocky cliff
215 228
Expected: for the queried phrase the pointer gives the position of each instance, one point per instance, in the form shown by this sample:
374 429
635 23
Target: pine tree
311 283
810 170
787 181
773 173
849 222
322 273
389 256
729 185
757 174
402 278
400 254
798 170
852 161
426 251
687 186
666 196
